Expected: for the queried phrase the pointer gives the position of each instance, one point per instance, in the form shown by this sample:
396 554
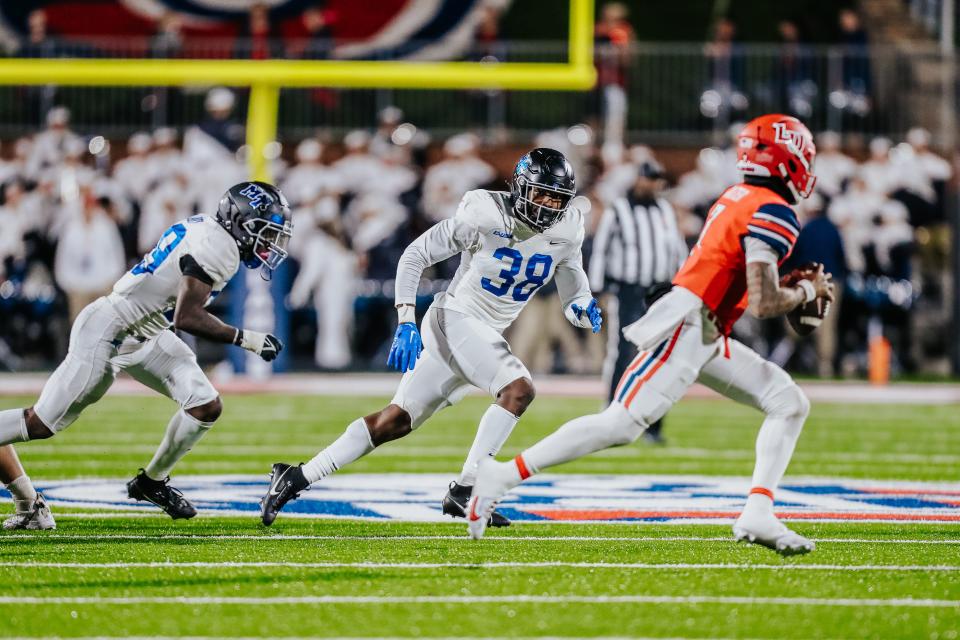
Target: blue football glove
593 313
406 347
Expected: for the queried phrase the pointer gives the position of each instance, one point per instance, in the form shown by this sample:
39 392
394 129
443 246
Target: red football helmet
779 146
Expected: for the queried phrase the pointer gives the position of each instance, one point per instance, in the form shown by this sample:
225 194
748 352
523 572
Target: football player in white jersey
510 244
129 330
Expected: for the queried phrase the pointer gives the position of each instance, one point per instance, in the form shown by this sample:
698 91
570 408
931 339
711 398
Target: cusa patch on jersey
557 498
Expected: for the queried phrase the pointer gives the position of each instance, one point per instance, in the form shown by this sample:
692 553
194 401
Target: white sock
495 427
775 444
183 432
13 428
352 445
24 495
758 504
577 438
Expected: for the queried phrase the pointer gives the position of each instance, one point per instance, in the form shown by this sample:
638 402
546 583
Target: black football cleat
286 483
160 493
654 438
455 504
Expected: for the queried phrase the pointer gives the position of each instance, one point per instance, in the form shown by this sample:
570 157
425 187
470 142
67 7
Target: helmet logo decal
793 139
523 164
257 196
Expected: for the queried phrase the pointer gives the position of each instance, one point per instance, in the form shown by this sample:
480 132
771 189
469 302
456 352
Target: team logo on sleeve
259 199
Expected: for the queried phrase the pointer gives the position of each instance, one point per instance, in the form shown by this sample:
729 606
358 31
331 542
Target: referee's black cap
651 169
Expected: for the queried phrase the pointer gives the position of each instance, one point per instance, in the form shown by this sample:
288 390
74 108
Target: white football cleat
35 517
768 531
494 480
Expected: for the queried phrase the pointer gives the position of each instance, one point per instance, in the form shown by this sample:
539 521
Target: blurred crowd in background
76 214
77 209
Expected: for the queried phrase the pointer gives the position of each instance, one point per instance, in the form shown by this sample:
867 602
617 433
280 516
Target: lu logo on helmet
789 137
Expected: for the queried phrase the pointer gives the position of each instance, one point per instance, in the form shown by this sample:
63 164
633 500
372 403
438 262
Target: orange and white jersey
716 270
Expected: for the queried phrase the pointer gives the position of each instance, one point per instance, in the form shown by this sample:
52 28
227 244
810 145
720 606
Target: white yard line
146 537
500 599
480 565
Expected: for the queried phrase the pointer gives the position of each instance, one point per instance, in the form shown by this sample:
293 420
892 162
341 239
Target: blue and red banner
385 29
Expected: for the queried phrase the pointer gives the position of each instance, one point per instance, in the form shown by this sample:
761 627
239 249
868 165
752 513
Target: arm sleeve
574 288
601 242
441 241
759 251
777 225
190 267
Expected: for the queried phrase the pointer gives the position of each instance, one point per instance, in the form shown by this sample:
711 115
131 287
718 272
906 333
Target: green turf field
229 577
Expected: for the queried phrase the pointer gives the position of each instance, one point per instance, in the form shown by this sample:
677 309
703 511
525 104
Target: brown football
807 317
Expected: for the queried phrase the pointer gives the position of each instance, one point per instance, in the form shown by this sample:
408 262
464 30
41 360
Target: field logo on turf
566 498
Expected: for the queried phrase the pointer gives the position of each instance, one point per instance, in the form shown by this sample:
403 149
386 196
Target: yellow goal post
266 77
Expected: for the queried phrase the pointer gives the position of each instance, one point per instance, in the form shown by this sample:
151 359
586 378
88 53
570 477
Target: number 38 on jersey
537 272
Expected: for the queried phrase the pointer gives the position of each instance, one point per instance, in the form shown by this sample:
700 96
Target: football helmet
542 172
778 146
258 217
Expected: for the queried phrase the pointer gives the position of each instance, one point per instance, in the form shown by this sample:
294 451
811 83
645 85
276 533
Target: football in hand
807 317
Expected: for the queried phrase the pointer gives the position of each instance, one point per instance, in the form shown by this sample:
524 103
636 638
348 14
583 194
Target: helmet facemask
270 240
540 216
259 221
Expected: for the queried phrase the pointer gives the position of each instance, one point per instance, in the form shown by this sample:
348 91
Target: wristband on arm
809 291
406 313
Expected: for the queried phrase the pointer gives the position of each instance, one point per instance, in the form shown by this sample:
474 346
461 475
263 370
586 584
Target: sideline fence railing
682 94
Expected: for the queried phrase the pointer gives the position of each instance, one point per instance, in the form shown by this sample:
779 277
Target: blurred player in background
128 330
636 251
511 244
685 336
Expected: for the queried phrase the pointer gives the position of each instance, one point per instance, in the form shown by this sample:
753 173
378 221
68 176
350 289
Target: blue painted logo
522 164
503 234
256 195
415 497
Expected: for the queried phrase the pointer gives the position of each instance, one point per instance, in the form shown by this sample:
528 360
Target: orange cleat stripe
522 467
473 510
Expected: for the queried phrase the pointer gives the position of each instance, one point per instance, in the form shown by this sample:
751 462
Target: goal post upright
261 128
266 77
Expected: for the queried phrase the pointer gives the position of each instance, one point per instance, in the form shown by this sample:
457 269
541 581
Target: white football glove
265 345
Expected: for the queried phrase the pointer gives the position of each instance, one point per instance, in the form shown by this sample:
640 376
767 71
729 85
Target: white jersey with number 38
503 262
147 292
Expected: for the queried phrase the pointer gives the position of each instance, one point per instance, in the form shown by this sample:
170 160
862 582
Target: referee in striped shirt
637 245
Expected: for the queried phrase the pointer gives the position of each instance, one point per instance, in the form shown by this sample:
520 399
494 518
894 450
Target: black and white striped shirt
637 242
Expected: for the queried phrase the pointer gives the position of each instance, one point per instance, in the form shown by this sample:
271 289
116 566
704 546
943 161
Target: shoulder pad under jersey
213 248
486 210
